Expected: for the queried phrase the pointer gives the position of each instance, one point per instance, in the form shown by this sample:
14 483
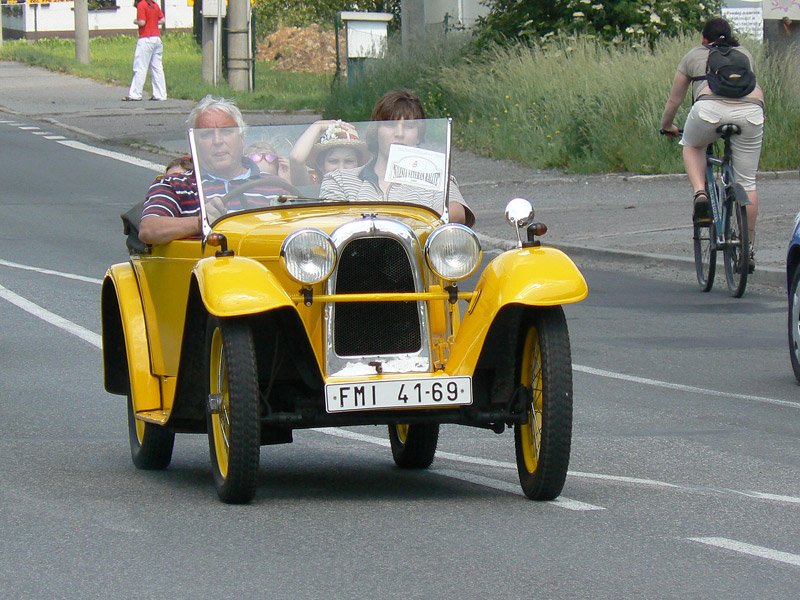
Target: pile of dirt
306 49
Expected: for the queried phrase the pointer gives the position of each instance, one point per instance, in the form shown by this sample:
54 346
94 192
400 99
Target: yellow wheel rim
220 421
531 432
402 432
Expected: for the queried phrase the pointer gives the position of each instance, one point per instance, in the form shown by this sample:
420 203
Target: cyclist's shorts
701 125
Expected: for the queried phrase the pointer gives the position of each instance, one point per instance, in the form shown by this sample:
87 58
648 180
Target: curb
766 276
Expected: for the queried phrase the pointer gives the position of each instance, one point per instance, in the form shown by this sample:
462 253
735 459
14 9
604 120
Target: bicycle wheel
736 249
705 255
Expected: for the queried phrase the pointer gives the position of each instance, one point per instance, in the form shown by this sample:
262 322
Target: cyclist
708 112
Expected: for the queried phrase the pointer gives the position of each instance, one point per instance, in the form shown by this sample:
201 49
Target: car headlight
453 252
308 256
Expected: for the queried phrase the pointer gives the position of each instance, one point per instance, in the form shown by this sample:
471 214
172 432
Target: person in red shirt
148 52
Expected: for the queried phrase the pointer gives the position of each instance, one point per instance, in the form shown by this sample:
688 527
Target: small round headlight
309 256
453 252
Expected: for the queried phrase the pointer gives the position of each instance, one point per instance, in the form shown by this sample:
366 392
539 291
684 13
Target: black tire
736 252
414 446
233 427
545 368
151 444
705 255
794 323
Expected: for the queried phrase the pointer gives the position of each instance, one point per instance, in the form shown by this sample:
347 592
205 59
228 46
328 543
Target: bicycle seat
729 129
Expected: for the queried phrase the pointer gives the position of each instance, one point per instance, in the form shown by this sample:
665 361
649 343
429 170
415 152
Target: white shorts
701 125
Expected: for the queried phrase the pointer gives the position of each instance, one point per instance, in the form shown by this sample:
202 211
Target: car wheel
543 442
414 446
151 444
794 323
232 410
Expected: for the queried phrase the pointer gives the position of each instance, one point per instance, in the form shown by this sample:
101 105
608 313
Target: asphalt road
684 480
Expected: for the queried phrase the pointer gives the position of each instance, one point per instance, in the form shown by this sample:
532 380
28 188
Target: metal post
412 21
238 46
82 31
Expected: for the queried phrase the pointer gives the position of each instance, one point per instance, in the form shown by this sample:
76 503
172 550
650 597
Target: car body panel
536 276
144 385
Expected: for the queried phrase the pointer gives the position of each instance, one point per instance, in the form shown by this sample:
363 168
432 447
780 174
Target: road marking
760 551
132 160
45 133
28 128
512 488
52 318
54 137
7 263
681 387
503 486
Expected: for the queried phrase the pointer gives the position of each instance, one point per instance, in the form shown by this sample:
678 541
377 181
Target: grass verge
111 61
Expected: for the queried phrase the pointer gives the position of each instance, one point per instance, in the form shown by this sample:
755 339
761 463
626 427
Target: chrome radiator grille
375 264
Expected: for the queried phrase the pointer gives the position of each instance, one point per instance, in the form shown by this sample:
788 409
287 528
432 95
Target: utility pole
82 31
239 62
412 21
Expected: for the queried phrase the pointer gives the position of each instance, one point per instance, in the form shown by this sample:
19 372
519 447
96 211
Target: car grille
376 264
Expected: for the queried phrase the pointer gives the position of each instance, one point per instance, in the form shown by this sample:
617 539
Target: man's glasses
267 156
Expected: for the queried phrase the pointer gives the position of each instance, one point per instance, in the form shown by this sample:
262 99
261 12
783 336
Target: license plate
405 393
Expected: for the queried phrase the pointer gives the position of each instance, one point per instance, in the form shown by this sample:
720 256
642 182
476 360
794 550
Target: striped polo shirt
172 196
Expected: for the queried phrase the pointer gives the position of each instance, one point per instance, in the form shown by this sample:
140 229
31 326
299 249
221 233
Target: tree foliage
615 21
273 14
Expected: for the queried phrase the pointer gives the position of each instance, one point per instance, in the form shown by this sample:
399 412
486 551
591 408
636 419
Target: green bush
638 22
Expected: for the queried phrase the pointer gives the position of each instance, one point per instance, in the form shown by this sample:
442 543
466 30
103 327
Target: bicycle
726 230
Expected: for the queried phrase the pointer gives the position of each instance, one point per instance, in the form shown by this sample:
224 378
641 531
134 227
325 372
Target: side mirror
519 214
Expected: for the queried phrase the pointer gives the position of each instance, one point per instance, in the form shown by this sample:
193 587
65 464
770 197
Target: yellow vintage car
304 309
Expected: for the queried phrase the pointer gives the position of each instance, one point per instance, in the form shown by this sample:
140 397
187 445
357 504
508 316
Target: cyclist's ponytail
718 33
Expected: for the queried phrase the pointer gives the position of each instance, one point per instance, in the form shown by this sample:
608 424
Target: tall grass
112 57
418 68
573 104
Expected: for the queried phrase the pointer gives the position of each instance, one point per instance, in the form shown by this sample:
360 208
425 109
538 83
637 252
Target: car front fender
234 285
126 351
532 277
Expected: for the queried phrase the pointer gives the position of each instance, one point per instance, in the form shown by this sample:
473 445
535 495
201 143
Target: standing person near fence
149 50
724 90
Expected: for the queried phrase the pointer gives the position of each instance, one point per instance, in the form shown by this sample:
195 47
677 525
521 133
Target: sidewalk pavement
600 219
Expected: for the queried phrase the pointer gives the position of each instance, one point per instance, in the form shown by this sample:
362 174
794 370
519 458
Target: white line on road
468 477
52 318
8 263
54 137
28 128
760 551
681 387
44 133
132 160
512 488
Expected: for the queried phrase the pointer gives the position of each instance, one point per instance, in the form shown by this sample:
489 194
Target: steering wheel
273 181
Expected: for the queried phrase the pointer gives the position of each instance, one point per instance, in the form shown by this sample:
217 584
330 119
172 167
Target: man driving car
172 207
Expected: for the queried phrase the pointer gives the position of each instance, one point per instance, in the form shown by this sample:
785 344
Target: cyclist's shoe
702 208
751 260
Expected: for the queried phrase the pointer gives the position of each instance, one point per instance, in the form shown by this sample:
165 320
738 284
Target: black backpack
728 72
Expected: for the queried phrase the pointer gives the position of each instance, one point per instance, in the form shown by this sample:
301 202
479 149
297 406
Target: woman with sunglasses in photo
264 156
